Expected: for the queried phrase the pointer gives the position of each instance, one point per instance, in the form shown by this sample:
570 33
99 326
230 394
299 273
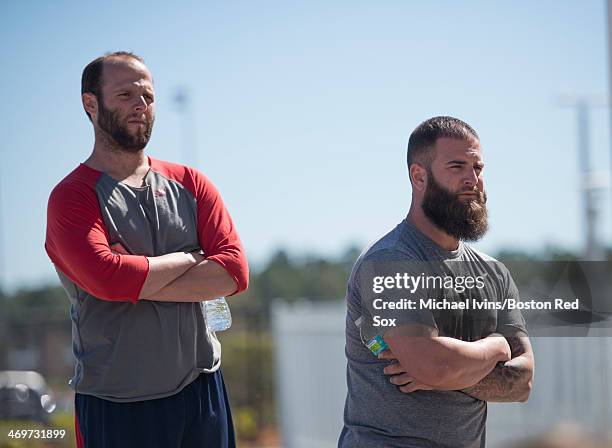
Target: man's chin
131 146
132 142
472 238
475 232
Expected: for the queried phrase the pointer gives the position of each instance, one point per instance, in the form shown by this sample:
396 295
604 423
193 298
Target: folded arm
78 244
204 281
165 269
441 362
225 270
511 380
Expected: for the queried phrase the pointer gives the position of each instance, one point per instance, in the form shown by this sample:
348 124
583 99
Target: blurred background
300 113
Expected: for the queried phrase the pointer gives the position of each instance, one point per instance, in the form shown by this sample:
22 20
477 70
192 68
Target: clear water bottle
373 341
217 312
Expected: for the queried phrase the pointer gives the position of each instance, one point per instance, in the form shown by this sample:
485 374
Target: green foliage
291 278
248 371
245 423
281 278
47 302
548 254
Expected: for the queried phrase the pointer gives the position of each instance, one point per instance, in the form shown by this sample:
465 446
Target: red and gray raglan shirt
128 349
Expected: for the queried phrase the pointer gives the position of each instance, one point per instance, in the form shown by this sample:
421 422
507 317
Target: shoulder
477 254
391 247
174 171
78 186
187 176
385 251
493 265
387 248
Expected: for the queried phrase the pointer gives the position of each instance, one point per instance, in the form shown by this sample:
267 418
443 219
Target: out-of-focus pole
593 250
188 140
589 182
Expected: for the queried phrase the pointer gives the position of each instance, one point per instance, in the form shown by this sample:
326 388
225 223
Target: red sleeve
218 237
77 243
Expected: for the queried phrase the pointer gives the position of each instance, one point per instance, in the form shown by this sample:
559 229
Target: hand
503 347
399 377
387 354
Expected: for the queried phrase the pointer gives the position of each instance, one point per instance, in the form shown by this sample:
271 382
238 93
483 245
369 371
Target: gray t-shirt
376 413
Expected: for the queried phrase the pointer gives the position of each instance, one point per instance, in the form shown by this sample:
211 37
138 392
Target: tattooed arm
420 359
510 380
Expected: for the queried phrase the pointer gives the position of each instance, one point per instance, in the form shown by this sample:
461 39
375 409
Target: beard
110 122
466 221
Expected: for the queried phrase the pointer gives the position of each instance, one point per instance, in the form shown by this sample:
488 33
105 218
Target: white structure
310 372
571 382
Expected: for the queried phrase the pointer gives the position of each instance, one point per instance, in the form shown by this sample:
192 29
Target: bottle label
217 314
377 345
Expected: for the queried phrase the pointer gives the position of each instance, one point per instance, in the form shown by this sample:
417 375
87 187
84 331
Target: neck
417 217
110 158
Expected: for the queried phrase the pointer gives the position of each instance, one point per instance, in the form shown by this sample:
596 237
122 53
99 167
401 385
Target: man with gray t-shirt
428 341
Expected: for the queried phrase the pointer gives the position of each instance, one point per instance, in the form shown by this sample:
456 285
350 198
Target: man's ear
418 176
90 104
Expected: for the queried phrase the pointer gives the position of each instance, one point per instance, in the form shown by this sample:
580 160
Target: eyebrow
463 162
129 86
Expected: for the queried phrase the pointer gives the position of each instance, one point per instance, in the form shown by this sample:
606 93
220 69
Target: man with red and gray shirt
126 234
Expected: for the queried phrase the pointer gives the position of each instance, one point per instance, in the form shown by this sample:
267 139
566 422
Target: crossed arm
510 380
491 369
78 244
186 277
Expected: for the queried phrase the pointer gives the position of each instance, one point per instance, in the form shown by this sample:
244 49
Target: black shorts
198 416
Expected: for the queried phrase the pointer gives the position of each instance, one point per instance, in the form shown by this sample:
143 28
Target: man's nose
471 178
141 104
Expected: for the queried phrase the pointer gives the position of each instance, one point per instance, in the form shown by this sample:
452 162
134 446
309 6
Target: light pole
591 183
188 141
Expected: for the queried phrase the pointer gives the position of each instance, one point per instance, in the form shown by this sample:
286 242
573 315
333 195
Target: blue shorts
198 416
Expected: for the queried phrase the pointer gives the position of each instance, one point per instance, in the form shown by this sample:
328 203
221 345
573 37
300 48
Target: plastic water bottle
217 313
373 341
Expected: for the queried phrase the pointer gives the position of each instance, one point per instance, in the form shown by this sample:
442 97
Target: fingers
401 380
394 369
399 376
386 354
411 387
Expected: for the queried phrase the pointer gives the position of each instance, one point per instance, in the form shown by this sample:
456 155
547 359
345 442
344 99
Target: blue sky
301 111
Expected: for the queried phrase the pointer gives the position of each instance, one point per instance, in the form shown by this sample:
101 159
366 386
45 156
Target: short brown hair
423 138
91 79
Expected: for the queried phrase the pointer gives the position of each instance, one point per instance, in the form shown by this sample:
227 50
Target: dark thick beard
110 122
466 221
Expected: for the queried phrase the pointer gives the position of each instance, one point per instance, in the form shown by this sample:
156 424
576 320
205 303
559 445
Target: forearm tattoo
508 381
